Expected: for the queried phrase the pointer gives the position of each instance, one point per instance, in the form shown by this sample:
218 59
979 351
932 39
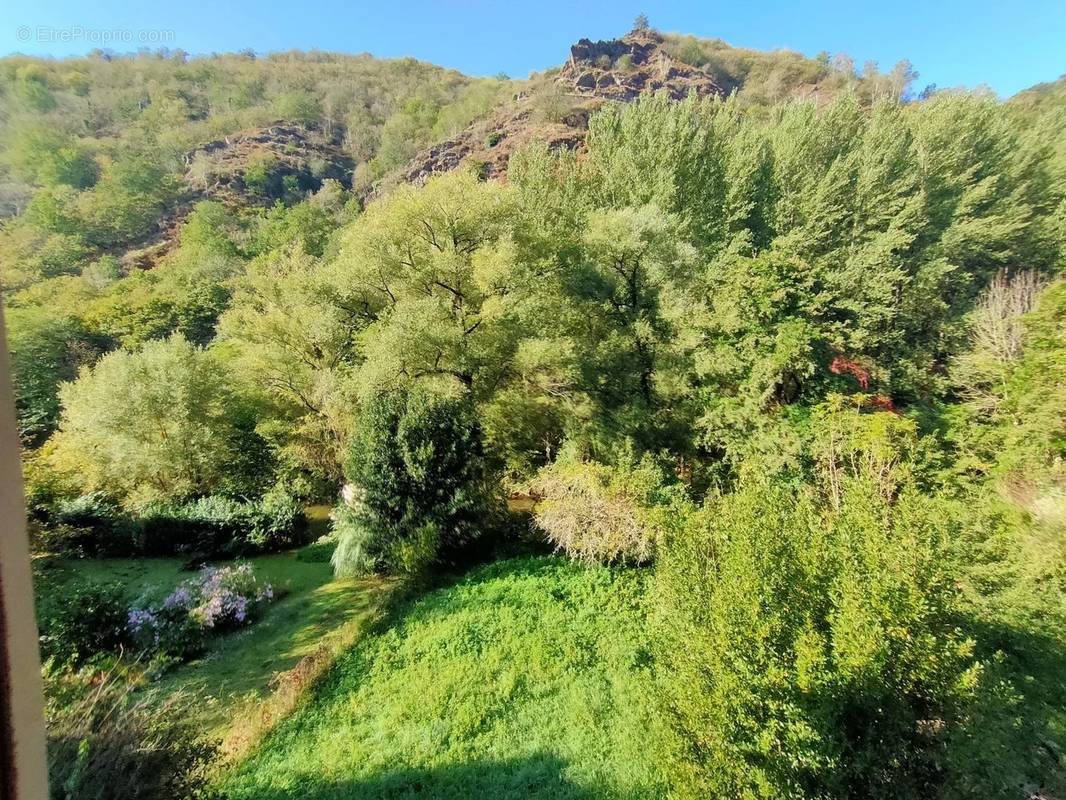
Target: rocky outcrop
596 72
622 69
218 168
488 144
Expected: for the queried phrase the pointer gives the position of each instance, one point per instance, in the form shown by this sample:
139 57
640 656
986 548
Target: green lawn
315 610
528 678
318 610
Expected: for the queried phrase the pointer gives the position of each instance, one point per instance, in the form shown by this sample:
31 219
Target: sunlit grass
317 612
314 612
528 678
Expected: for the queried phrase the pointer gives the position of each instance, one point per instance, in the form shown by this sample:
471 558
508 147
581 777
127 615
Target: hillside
1047 97
555 109
296 119
87 133
684 421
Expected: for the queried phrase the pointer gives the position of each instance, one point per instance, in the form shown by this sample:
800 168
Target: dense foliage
69 123
813 631
106 742
83 622
804 357
212 526
121 415
418 484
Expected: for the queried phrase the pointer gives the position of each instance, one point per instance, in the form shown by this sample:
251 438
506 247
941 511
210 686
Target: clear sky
1005 45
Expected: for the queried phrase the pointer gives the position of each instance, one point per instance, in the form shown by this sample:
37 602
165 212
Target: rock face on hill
556 111
622 69
489 143
283 150
281 153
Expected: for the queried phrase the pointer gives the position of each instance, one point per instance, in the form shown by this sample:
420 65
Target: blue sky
1007 46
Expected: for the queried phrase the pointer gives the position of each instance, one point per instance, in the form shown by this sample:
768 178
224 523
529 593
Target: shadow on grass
245 663
538 776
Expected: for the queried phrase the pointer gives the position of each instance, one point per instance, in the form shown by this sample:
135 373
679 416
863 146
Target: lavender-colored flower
180 597
218 597
139 618
210 578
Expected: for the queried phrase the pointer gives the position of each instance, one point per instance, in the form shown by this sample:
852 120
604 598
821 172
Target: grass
316 616
318 612
315 611
527 678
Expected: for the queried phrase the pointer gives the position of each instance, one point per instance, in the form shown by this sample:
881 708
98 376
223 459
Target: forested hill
111 149
779 341
103 159
114 150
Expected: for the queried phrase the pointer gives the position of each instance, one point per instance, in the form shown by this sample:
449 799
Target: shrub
218 599
493 139
106 742
299 106
810 650
551 104
359 549
92 525
209 527
260 175
86 509
216 526
997 335
598 513
169 631
278 521
418 467
84 620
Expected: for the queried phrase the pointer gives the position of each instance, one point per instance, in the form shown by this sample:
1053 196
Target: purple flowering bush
217 600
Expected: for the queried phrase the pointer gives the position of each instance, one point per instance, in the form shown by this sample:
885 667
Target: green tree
153 424
627 287
416 463
299 106
47 348
29 254
809 647
290 337
433 270
47 157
